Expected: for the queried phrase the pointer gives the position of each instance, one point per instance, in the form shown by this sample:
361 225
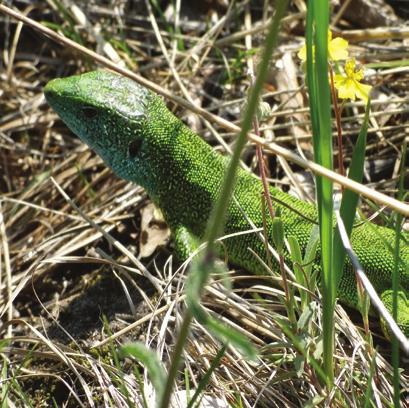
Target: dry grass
72 286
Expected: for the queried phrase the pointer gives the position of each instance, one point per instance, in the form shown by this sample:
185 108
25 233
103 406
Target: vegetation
86 322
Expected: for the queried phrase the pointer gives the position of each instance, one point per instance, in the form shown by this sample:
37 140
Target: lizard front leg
185 242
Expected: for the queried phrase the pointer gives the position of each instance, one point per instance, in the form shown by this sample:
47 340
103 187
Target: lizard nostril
134 147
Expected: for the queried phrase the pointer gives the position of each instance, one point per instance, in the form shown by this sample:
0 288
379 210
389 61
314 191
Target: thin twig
375 299
272 147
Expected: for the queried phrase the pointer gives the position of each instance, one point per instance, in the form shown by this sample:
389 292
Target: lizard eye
89 112
134 147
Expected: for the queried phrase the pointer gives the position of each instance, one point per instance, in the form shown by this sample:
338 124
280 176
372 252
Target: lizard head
116 117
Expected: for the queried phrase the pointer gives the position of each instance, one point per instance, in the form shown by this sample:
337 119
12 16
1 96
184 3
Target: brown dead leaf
154 231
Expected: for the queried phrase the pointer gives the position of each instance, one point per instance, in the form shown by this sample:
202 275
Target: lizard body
142 141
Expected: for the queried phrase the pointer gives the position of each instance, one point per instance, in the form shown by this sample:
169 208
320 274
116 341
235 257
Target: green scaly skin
142 141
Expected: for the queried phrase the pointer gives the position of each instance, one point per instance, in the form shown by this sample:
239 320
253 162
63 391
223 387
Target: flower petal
339 79
347 89
338 49
362 91
302 54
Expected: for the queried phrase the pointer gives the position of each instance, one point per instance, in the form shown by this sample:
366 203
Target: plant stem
175 360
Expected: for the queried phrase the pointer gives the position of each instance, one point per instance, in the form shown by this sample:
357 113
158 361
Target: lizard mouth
50 94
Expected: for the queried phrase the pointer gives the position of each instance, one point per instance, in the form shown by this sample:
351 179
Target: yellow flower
302 54
348 84
337 49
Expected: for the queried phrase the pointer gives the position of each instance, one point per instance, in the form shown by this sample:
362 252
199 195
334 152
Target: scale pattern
142 141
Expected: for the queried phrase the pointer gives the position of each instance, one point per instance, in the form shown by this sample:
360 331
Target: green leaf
311 249
299 362
200 270
350 199
278 234
228 334
307 316
320 105
205 379
296 257
315 401
150 360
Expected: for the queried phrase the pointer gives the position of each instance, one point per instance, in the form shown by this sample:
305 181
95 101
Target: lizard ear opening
89 112
134 147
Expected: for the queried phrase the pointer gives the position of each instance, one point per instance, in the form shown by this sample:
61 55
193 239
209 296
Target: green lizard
142 141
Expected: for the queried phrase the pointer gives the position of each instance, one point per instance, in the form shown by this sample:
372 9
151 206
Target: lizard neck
188 177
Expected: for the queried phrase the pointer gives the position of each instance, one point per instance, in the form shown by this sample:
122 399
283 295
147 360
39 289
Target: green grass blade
223 332
204 381
296 257
350 199
217 217
216 221
320 103
150 360
300 347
